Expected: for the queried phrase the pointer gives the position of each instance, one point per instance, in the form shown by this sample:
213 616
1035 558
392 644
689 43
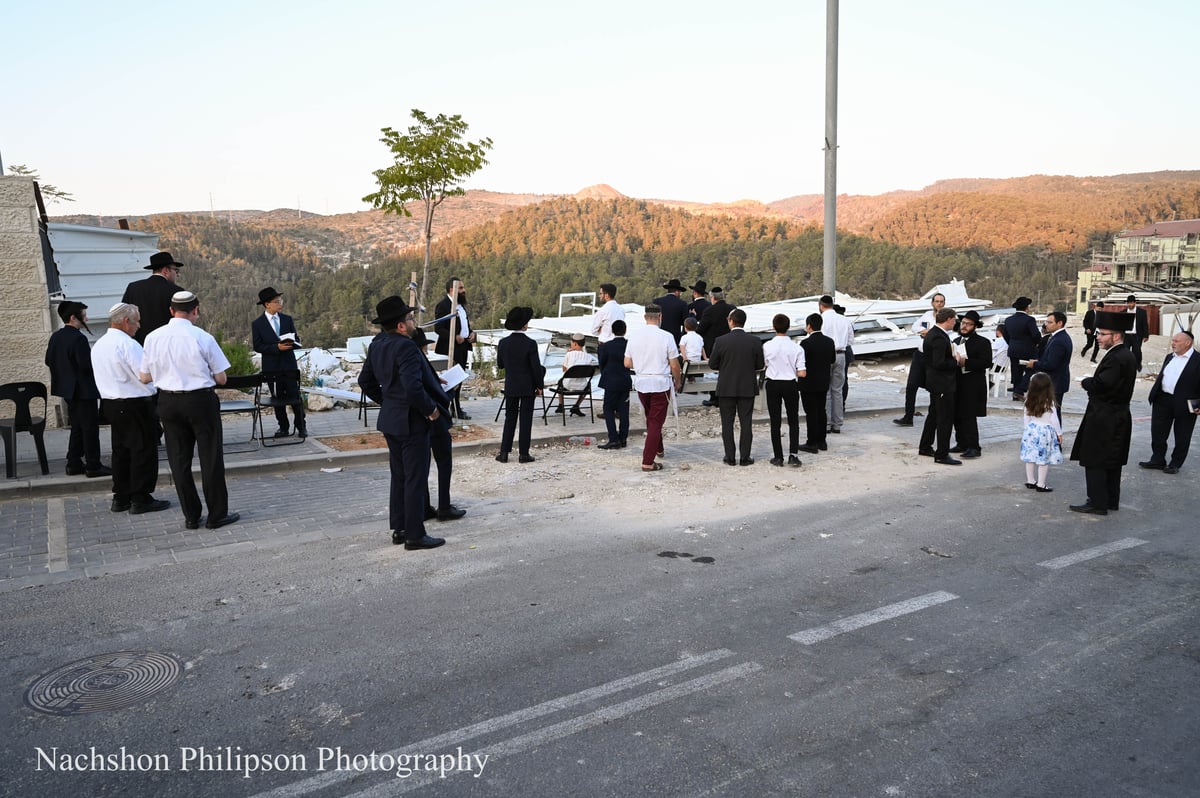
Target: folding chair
998 376
253 384
22 394
561 392
271 401
500 409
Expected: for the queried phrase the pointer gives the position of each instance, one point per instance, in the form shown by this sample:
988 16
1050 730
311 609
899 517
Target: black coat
1055 360
674 311
1103 437
714 323
736 358
524 374
442 328
70 361
1023 335
153 299
941 369
266 343
613 374
1089 321
819 354
394 376
972 393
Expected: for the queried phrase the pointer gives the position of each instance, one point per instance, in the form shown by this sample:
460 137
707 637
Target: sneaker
777 461
793 460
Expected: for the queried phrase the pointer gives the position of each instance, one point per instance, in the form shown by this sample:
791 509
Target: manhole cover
106 681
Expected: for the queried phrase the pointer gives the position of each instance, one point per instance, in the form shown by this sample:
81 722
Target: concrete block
21 271
20 246
17 192
15 324
18 220
24 295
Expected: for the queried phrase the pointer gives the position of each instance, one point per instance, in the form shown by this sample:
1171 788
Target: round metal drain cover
103 682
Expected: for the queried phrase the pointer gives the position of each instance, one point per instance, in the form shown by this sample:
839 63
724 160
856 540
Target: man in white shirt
654 358
1172 398
837 328
128 406
609 312
785 362
186 364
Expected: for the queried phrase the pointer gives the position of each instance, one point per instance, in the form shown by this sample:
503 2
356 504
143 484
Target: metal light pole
831 82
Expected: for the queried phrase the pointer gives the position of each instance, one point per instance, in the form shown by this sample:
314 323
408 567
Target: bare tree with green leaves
430 161
52 193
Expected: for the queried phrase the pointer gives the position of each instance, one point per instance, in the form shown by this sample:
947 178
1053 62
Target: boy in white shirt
691 345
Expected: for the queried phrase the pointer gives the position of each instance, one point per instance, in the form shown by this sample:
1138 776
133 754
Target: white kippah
115 308
182 297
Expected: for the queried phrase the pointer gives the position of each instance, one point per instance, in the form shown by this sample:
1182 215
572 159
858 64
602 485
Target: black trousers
1019 380
966 428
285 389
743 408
940 421
441 446
616 415
408 458
784 396
916 380
191 422
1135 346
134 448
1091 343
815 417
83 447
1163 416
1104 487
517 408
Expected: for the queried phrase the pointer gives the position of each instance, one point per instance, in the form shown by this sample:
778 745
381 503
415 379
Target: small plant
238 355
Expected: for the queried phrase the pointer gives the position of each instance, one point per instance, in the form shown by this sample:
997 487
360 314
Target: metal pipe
831 84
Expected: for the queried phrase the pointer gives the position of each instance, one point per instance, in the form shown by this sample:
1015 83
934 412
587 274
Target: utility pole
831 85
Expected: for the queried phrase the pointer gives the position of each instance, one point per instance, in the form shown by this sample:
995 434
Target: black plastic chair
22 394
253 384
579 372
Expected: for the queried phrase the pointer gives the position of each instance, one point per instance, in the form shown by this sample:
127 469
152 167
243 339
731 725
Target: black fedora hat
517 318
161 260
1022 302
266 295
973 316
1116 322
700 287
390 309
674 285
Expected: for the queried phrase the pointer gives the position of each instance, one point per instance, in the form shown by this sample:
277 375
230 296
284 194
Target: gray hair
122 312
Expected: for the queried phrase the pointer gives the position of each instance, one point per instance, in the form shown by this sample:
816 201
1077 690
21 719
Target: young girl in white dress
1041 442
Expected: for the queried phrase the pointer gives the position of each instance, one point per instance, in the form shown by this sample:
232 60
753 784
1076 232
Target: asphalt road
962 638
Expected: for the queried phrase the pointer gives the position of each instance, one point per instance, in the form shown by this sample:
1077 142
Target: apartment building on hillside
1160 259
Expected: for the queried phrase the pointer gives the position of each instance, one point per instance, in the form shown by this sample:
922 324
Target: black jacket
819 354
153 299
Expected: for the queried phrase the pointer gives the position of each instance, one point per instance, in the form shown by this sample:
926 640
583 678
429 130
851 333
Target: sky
141 107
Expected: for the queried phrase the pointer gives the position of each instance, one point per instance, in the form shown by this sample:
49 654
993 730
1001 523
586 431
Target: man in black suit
153 294
464 336
713 324
972 391
699 302
70 361
1172 398
674 309
1023 336
1102 440
394 376
1055 357
1089 330
1140 333
524 378
279 359
819 354
617 384
737 357
941 380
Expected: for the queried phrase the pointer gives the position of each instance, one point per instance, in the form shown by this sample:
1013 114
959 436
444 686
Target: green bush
238 355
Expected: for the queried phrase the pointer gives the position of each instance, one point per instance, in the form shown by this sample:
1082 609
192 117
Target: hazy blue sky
143 107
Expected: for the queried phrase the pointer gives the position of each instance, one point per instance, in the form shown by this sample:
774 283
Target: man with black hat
713 324
1023 337
1102 442
524 378
453 307
699 302
274 337
153 294
1140 333
971 392
394 376
674 309
70 361
186 364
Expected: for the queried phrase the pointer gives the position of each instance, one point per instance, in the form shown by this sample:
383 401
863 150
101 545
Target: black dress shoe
729 461
823 446
746 461
301 432
398 537
709 403
793 461
957 449
559 410
610 445
430 513
1046 489
947 460
98 471
230 518
575 411
463 416
282 433
526 458
119 506
152 506
925 452
777 461
809 448
502 457
1153 465
1089 509
451 513
903 421
971 453
192 524
1031 485
1170 470
836 430
423 543
74 470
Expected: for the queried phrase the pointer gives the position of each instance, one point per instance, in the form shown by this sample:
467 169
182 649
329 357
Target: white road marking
458 736
1092 553
392 786
819 633
56 535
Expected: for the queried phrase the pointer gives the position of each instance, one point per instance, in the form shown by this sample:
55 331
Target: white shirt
182 357
604 317
1170 373
784 358
692 346
117 362
927 320
576 357
651 350
462 329
999 348
273 320
838 328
